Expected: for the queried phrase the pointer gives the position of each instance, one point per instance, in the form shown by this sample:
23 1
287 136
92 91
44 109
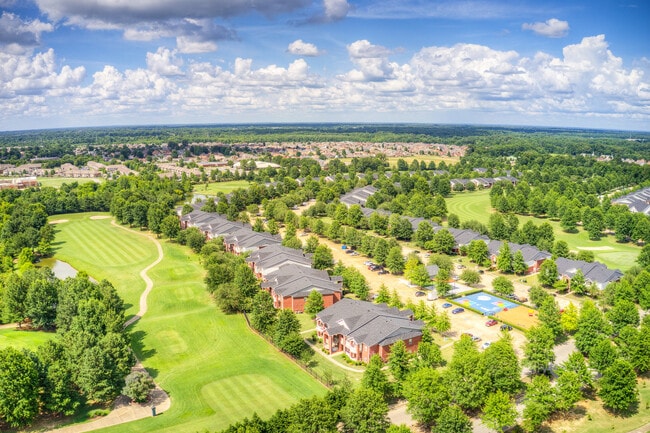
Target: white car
485 345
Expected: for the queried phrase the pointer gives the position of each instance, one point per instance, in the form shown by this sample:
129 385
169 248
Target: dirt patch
605 248
58 221
100 217
520 316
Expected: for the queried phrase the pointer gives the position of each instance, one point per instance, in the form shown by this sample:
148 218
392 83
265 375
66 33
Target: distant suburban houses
362 329
638 201
595 272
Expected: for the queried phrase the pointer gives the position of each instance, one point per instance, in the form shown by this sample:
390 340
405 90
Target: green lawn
56 182
475 205
24 339
105 251
215 187
214 368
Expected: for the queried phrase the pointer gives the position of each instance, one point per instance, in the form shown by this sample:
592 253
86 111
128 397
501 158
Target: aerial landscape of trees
562 189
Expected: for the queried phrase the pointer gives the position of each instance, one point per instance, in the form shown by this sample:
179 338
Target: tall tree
539 403
504 258
19 387
374 377
467 376
538 350
399 360
502 365
453 420
323 258
365 412
427 395
314 303
263 314
548 273
519 266
618 387
499 411
395 261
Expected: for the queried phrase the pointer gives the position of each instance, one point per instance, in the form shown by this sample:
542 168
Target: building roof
638 201
358 195
299 281
594 272
370 324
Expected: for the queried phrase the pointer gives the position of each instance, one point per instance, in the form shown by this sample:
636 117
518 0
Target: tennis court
486 303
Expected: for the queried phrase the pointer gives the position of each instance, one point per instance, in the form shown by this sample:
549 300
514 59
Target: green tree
502 365
19 387
641 286
519 266
137 386
323 258
41 301
286 324
538 350
272 227
374 377
443 242
453 220
395 261
427 395
560 249
263 314
453 420
441 322
420 276
576 364
569 319
423 234
258 225
380 252
548 273
470 277
499 411
602 355
550 316
383 296
504 258
623 313
643 259
466 375
365 412
568 390
194 239
539 403
170 227
578 284
503 286
591 325
442 282
477 252
428 354
14 299
399 360
618 387
314 303
311 244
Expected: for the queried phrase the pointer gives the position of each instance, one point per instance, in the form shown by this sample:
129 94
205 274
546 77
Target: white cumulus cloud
336 9
552 28
301 48
18 36
164 62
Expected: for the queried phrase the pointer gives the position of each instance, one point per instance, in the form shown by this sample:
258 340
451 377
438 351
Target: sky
76 63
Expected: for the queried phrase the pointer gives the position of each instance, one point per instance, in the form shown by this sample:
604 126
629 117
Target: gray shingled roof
595 272
638 201
370 324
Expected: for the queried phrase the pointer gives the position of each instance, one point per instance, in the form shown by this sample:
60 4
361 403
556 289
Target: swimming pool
486 303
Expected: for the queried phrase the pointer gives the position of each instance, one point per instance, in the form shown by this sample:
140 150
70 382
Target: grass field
216 187
214 368
24 339
105 252
475 205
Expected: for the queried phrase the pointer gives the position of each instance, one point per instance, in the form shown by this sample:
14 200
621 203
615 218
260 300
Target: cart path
123 411
143 274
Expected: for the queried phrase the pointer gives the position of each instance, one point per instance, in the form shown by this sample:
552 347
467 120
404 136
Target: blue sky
113 62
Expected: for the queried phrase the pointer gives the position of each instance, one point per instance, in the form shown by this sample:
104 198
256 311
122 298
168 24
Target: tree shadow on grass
137 344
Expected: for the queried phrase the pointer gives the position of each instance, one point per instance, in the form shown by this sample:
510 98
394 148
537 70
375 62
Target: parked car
367 263
354 253
457 310
506 327
419 293
446 305
382 272
476 338
491 322
485 345
348 251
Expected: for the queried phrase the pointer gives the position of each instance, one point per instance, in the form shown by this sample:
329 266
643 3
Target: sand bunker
58 221
595 248
99 217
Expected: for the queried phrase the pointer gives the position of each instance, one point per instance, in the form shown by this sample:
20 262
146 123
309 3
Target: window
410 341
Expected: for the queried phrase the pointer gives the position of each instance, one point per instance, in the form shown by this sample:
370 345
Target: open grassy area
214 368
216 187
105 251
590 417
56 182
24 339
475 205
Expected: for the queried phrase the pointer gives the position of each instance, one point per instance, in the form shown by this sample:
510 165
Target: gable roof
594 272
370 324
358 195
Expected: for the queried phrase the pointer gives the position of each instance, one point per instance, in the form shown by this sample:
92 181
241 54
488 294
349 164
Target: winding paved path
123 411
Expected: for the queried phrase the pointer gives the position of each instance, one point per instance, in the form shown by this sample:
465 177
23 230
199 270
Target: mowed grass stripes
105 252
214 368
